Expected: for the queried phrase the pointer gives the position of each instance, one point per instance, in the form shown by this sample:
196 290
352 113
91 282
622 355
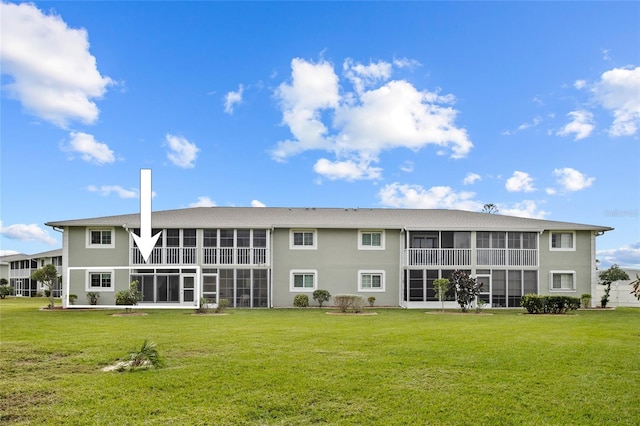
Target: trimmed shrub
536 304
321 296
222 305
357 304
371 300
586 300
129 297
93 297
344 302
532 303
204 306
301 301
5 291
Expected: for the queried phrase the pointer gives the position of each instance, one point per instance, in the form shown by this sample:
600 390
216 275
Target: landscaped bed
301 366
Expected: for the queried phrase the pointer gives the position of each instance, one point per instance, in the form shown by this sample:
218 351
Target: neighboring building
17 270
263 257
620 294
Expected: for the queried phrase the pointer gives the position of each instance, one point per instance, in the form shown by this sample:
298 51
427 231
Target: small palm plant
146 357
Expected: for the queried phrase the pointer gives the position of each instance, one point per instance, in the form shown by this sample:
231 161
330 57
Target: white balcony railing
167 256
20 273
462 257
507 257
234 256
438 257
210 256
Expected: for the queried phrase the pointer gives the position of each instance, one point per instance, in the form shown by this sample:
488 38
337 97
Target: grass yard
297 367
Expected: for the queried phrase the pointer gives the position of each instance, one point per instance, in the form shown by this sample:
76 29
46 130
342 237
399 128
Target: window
371 240
100 281
188 238
486 239
562 241
210 238
562 281
371 281
100 238
304 280
173 237
303 239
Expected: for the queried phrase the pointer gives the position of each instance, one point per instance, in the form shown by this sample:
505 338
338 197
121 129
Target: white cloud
363 76
182 153
358 126
581 125
526 208
628 255
23 232
231 99
8 252
54 75
536 120
203 202
572 180
106 190
580 84
314 88
438 197
618 91
471 178
520 182
348 170
89 149
407 166
257 203
406 63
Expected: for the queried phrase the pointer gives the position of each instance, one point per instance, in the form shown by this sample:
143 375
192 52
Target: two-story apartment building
19 267
263 257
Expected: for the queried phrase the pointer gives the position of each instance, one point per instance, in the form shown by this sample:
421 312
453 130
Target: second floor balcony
457 257
209 256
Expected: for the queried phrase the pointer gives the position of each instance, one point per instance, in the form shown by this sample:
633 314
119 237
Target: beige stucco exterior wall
96 259
578 260
337 261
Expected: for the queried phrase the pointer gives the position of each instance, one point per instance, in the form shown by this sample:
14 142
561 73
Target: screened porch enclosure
500 288
244 288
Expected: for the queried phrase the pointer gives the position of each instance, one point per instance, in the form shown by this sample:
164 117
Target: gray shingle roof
283 217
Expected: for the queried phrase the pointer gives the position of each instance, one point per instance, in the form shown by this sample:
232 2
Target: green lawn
297 367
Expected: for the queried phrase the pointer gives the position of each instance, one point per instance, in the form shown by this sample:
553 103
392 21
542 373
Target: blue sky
534 107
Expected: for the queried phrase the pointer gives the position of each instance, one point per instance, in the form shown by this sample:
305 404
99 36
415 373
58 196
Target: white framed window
303 239
370 240
303 280
100 280
100 238
562 241
370 280
562 281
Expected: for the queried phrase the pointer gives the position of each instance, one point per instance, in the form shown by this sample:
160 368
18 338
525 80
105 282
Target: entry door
485 292
189 288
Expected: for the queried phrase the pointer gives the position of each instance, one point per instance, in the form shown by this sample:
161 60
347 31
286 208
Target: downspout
271 267
594 267
403 250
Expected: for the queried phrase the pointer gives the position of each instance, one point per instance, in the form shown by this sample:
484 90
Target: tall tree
490 208
609 276
47 275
